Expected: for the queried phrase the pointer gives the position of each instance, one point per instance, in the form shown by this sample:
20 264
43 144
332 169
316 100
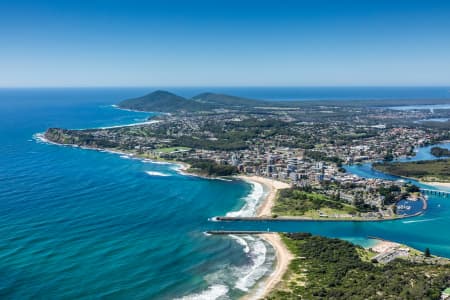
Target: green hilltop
164 101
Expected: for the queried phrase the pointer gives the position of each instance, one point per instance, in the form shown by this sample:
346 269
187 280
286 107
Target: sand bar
283 255
437 184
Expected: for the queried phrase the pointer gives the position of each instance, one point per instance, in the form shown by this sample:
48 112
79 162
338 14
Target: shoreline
283 259
265 207
381 245
437 184
283 255
181 169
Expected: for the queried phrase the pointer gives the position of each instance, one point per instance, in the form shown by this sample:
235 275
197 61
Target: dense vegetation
440 152
230 136
296 202
210 168
78 137
426 170
326 268
160 101
163 101
390 194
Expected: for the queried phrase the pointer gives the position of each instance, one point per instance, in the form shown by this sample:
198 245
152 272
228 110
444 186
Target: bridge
436 193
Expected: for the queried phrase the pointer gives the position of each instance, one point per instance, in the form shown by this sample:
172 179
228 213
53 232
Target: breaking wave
239 279
252 202
212 293
154 173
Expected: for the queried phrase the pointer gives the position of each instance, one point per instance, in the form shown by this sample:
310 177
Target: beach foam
252 201
258 267
238 278
419 221
128 125
154 173
158 162
213 292
127 109
241 241
40 138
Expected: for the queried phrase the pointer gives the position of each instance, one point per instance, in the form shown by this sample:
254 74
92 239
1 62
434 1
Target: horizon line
221 86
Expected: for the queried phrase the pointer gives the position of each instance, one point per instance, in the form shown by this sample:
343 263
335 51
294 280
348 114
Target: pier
436 193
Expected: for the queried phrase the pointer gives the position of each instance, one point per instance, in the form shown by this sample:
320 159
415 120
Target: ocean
84 224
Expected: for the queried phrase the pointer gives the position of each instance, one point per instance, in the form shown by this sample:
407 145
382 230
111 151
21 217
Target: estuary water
84 224
427 230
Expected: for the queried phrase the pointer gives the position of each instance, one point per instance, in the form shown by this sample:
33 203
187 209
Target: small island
425 170
440 152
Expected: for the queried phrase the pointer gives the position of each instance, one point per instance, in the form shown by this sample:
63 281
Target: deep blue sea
84 224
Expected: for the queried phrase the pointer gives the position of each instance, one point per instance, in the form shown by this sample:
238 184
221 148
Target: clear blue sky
224 43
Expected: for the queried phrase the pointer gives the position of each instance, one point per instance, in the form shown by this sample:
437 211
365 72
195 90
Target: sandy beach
438 184
283 255
265 209
382 246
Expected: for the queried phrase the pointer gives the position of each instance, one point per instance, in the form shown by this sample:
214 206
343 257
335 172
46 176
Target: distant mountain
160 101
163 101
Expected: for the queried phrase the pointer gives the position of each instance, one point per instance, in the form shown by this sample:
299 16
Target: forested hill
160 101
163 101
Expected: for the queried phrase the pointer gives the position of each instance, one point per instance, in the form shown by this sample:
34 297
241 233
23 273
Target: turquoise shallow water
83 224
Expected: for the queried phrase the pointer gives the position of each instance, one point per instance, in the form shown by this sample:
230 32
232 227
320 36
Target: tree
389 156
427 252
412 188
